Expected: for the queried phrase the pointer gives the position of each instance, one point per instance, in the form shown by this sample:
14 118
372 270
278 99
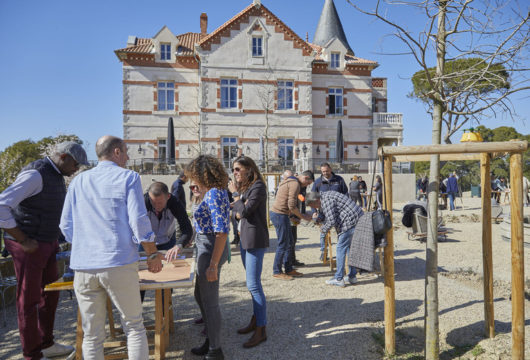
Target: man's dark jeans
282 224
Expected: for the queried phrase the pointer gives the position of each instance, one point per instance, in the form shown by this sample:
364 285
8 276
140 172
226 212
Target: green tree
472 79
21 153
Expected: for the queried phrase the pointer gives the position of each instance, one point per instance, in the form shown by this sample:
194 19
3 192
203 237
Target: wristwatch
152 256
235 194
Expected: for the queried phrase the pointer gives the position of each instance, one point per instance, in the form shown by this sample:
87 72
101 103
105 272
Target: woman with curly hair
250 207
211 221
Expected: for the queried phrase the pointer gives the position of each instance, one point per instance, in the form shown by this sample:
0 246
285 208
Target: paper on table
174 271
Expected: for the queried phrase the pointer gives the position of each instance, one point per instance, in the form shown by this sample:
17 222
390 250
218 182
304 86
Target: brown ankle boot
249 328
259 336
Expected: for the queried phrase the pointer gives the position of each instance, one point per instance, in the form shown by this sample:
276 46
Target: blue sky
59 74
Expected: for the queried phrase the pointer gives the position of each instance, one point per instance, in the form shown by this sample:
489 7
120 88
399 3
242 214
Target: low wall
403 185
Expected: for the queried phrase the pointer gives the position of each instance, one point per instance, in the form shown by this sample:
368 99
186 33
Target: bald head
287 173
106 145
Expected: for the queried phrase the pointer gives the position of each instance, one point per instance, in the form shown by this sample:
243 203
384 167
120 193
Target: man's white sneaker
351 280
336 282
57 350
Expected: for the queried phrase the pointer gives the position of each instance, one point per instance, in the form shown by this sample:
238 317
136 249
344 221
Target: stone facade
253 86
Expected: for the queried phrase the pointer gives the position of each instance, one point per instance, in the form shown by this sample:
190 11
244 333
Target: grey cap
312 197
73 149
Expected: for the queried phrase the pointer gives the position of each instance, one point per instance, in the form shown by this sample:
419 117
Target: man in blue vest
326 182
30 211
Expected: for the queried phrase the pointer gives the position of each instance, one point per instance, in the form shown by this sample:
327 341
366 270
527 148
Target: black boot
201 350
216 354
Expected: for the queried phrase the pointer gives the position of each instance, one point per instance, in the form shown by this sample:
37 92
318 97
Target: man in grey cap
30 211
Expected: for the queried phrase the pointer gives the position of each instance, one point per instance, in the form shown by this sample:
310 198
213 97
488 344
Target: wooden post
516 184
390 305
79 337
487 251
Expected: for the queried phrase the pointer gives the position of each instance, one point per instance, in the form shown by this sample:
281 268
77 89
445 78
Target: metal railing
393 119
157 166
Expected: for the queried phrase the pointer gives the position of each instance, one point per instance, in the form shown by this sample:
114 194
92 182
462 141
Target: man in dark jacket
329 181
162 210
165 213
326 182
30 212
177 189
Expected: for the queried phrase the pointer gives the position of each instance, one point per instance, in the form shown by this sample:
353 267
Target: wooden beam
516 185
488 147
390 292
443 157
487 250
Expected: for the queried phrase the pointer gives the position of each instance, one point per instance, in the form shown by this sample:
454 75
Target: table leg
79 337
171 321
168 316
159 326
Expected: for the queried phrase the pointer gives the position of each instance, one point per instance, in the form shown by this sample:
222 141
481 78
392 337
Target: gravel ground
309 319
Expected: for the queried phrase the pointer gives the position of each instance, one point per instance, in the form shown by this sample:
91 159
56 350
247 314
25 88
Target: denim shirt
212 215
104 217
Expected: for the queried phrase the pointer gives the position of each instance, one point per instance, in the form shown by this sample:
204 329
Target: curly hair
208 171
253 173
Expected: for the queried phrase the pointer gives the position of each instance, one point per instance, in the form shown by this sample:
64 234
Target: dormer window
335 60
257 46
165 51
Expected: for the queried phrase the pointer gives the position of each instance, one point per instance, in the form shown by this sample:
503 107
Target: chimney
204 24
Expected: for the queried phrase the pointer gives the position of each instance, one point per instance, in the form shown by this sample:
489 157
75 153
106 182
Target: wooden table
178 274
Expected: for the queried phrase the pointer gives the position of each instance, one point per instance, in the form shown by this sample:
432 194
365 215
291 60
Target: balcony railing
388 119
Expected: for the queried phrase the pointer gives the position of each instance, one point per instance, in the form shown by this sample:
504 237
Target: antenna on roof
307 36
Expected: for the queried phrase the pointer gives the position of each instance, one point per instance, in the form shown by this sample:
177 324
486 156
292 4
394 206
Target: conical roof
330 27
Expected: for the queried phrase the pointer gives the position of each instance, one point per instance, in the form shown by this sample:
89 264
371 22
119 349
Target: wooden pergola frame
468 151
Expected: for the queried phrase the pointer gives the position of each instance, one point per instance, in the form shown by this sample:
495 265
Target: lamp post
304 164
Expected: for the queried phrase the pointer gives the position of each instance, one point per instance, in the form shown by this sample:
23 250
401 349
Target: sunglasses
236 169
194 187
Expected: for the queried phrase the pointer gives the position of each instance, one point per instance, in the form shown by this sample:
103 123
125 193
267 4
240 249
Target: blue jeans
322 241
452 196
282 224
343 247
253 264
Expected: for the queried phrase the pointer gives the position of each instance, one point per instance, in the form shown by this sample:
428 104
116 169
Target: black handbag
381 221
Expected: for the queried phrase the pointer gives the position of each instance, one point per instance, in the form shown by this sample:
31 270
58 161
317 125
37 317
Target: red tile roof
253 10
187 42
143 46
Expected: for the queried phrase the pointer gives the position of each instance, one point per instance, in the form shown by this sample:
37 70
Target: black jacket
179 212
252 207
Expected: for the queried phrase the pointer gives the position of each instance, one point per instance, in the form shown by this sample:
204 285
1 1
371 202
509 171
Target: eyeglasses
194 187
236 169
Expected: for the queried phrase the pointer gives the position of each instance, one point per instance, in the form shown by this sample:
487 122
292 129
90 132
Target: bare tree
266 93
497 32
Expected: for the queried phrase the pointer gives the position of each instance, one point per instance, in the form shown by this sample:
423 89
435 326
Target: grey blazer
252 207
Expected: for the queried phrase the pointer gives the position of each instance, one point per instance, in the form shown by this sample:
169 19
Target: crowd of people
109 220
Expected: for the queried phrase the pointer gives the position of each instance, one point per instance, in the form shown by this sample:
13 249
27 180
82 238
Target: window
285 151
335 60
165 51
332 150
285 95
374 104
257 46
166 96
228 93
335 101
229 149
162 149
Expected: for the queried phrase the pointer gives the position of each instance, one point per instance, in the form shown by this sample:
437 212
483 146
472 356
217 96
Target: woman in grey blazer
250 206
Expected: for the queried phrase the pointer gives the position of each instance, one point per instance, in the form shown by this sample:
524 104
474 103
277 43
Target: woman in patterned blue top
211 222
